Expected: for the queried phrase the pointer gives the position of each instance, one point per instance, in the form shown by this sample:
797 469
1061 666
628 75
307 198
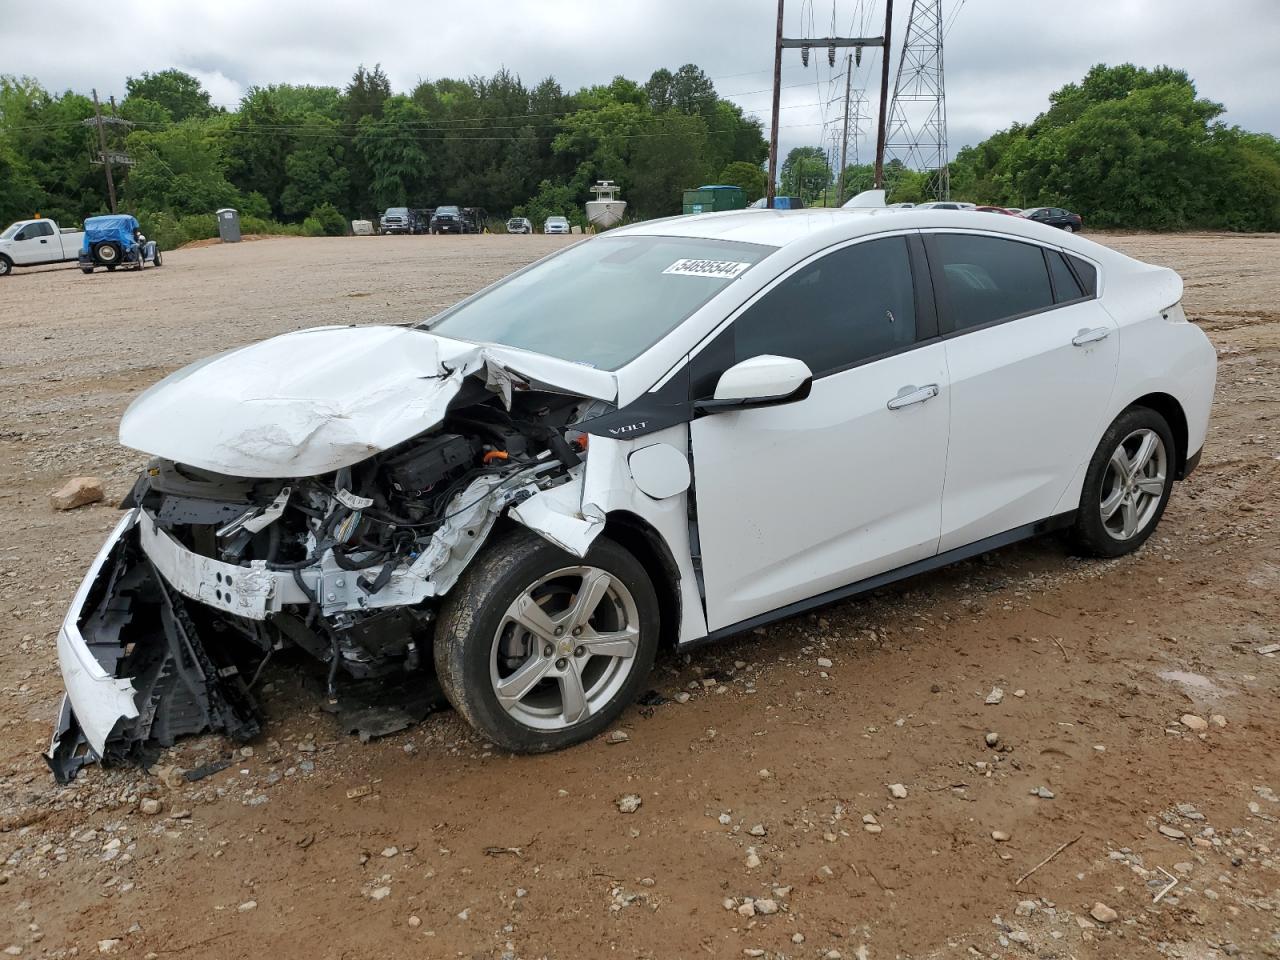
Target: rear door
803 498
1032 358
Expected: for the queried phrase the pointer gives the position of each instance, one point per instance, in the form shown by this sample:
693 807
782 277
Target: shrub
332 222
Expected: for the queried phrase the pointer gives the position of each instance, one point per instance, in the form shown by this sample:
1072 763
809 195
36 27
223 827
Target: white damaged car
673 432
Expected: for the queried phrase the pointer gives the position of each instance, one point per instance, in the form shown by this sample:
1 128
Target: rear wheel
1069 227
6 266
86 269
1127 485
159 260
538 649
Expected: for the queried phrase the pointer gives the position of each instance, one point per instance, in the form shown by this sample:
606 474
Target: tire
1117 514
1069 227
480 646
111 267
6 266
107 254
86 269
158 260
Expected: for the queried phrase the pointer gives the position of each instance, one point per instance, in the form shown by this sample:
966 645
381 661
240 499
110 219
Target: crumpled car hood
314 401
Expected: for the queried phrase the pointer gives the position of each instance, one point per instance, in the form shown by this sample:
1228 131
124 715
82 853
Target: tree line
309 158
1125 147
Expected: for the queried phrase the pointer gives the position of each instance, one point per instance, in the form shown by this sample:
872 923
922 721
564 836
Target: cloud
1002 59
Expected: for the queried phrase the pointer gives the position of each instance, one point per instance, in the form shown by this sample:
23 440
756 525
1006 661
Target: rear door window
988 279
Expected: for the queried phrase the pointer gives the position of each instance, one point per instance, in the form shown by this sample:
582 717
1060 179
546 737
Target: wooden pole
106 158
884 93
770 189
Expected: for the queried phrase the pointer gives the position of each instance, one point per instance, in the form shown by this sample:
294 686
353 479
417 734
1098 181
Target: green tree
179 93
805 173
751 177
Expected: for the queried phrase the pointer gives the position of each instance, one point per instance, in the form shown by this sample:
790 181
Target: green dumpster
714 197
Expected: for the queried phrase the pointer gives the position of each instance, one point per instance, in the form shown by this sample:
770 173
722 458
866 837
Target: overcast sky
1003 57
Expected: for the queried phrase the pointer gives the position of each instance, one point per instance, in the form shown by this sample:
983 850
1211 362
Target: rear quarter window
1087 274
988 279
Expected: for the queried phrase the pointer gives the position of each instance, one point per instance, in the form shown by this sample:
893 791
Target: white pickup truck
29 243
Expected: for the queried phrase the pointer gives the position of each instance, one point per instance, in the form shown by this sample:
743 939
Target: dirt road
767 825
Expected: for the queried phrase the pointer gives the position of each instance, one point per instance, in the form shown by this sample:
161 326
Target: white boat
606 209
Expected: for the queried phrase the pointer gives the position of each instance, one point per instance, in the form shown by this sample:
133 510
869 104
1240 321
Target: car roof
813 228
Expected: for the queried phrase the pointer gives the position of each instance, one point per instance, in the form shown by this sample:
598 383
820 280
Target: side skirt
977 548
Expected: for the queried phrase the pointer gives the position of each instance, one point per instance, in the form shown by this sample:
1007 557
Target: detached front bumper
133 663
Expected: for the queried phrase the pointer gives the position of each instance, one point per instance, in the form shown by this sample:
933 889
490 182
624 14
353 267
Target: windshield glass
397 211
446 211
9 231
602 302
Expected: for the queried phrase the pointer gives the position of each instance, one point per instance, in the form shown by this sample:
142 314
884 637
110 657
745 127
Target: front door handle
913 394
1090 336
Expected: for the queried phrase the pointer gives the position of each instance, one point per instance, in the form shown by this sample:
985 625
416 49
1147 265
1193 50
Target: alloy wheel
564 647
1134 484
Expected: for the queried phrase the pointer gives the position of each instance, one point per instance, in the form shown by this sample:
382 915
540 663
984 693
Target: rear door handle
1090 336
913 394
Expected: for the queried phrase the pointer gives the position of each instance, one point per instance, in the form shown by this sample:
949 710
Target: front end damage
209 573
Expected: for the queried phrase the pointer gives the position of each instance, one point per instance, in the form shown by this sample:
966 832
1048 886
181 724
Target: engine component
427 463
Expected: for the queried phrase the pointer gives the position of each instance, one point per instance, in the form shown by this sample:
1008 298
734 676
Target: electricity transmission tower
918 114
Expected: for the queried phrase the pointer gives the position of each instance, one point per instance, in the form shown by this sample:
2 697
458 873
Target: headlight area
216 574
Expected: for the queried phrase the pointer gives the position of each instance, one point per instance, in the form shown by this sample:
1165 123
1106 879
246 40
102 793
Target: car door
799 499
1032 358
32 244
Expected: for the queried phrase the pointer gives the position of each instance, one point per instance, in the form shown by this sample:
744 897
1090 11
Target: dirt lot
428 844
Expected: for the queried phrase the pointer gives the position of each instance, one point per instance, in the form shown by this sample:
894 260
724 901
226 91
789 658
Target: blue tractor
116 240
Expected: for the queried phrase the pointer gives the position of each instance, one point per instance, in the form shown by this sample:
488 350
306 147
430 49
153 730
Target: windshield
557 220
446 211
602 302
10 230
397 211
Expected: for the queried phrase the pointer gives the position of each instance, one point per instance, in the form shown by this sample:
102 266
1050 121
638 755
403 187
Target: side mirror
762 381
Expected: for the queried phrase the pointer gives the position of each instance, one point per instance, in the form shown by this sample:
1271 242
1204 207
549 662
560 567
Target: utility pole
770 189
844 140
106 157
884 94
806 44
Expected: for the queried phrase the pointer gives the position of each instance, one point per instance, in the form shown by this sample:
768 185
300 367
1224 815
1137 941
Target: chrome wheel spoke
1129 510
529 614
615 643
1145 449
1120 464
1112 503
512 689
595 584
1152 486
573 699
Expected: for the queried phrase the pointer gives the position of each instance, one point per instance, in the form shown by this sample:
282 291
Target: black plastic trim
1017 534
1193 461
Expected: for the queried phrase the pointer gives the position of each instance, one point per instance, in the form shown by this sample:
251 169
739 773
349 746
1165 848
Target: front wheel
1127 485
538 649
158 260
1069 227
86 269
6 266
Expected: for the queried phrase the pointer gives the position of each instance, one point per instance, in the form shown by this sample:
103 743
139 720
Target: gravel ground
829 789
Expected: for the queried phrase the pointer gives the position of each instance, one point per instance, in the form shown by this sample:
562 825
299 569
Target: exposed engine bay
210 574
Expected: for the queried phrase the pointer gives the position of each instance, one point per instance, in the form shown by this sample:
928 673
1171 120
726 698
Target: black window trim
946 321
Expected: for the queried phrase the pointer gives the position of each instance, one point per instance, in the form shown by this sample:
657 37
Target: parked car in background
945 205
779 203
448 219
966 381
556 225
519 225
116 240
1006 212
398 220
1055 217
422 215
30 243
